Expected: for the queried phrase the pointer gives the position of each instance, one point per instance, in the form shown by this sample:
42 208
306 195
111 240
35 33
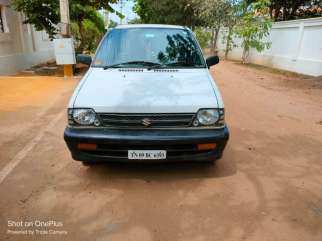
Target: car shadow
224 167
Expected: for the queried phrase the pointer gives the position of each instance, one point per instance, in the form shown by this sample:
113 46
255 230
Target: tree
233 15
135 21
282 10
253 29
88 32
88 21
293 9
202 36
112 24
181 12
44 14
214 14
231 20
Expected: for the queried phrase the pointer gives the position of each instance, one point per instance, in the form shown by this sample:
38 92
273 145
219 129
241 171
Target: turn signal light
208 146
87 146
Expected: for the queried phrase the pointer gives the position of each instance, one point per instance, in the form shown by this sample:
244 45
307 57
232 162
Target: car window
168 47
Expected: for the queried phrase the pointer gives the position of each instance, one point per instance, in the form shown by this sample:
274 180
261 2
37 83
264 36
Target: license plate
147 155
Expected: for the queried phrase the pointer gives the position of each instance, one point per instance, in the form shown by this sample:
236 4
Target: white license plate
147 155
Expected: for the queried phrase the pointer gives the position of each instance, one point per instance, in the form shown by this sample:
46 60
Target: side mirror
84 59
213 60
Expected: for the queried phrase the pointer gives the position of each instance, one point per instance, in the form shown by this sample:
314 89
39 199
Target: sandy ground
267 187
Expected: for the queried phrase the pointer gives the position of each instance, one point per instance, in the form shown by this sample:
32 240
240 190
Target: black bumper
112 145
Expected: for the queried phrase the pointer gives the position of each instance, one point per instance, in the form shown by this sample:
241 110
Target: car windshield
150 47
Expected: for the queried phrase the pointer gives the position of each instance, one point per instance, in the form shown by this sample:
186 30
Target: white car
147 96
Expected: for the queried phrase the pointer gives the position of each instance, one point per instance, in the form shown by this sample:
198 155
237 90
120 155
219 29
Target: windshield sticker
149 35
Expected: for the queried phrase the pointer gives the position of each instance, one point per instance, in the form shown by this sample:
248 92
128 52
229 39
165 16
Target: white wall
21 46
296 46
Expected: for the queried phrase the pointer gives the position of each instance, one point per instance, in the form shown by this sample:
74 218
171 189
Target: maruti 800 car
147 96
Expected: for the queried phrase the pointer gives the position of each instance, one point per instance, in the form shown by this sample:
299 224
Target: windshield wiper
182 64
144 63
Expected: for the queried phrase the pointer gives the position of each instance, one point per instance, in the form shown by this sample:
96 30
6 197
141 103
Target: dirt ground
267 186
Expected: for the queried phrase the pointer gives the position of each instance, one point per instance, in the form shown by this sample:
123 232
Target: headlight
82 116
208 117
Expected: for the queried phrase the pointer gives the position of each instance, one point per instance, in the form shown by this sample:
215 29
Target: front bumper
113 145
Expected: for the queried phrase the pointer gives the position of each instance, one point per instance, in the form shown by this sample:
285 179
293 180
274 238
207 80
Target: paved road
267 186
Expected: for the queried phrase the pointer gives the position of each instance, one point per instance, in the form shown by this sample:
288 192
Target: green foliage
282 10
181 12
252 29
88 33
239 16
294 9
112 24
231 20
79 13
44 15
203 36
135 21
90 26
215 13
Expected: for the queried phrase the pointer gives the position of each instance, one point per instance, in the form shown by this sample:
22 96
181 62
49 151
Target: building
20 45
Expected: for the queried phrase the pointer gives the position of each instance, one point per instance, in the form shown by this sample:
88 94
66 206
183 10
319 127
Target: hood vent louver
154 70
131 70
166 70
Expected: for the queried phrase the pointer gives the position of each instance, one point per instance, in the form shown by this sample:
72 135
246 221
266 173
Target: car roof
125 26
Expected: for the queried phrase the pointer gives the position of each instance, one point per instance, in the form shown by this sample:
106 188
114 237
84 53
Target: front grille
146 120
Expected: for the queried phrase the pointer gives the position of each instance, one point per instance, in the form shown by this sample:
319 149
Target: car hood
144 91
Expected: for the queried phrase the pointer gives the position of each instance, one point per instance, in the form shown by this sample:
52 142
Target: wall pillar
299 42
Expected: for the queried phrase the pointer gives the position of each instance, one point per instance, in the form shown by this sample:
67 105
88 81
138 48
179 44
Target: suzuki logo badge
146 122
